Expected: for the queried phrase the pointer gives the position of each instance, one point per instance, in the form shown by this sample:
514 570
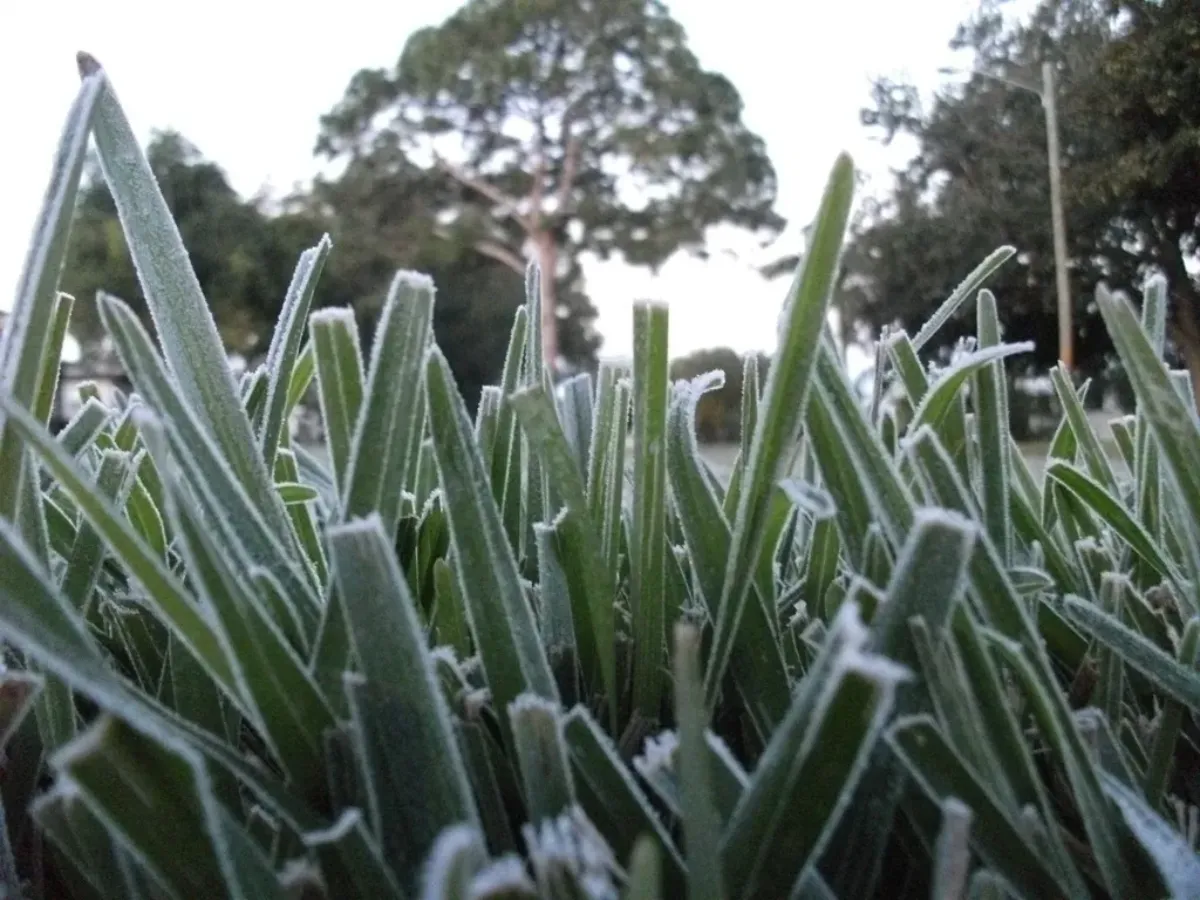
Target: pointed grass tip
88 64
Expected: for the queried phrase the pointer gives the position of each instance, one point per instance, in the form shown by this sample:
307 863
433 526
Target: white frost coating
800 616
453 843
657 754
559 518
885 672
847 626
947 518
569 844
476 700
343 826
504 877
332 314
532 703
720 749
1176 861
444 653
414 281
358 526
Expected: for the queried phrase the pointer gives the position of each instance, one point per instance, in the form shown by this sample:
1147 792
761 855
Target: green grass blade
991 419
756 664
943 394
1173 855
350 858
380 455
172 603
1115 516
52 357
79 433
157 800
575 411
813 760
952 853
285 345
612 797
588 579
500 617
248 517
965 290
289 706
542 757
928 581
1162 410
645 871
996 836
782 410
187 333
411 720
701 823
1094 457
504 462
1166 734
88 550
339 366
1061 733
23 349
1165 673
648 544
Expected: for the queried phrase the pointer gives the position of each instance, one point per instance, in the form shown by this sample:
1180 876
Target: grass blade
380 455
588 579
814 759
701 823
647 541
995 835
1115 516
22 352
501 620
1166 674
403 702
991 420
339 368
612 797
1175 858
157 800
1170 719
187 333
248 517
965 290
285 345
542 757
175 607
782 410
756 665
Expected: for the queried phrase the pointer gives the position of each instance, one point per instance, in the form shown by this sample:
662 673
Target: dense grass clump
521 656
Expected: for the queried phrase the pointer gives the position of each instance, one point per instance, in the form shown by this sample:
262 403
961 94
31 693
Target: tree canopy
1128 77
563 128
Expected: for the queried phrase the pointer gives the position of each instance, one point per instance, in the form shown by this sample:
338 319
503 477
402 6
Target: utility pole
1066 330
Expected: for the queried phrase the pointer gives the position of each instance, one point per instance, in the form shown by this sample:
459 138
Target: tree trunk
547 258
1187 310
1187 334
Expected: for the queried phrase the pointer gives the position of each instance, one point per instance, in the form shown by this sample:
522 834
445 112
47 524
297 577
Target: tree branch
569 171
502 255
507 206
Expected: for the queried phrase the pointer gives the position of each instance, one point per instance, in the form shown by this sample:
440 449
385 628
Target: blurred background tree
1128 75
244 254
564 127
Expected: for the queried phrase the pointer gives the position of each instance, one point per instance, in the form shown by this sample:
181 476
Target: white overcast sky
246 80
